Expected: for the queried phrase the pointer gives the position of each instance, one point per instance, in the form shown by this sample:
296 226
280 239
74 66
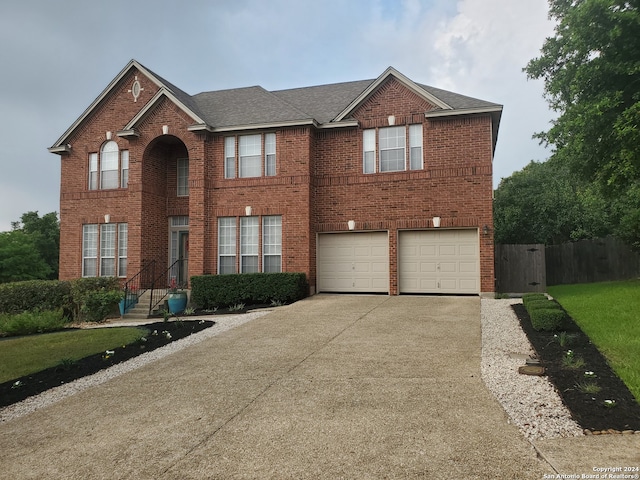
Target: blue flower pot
177 302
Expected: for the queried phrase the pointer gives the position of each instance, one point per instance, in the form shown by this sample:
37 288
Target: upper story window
256 155
183 177
110 168
390 153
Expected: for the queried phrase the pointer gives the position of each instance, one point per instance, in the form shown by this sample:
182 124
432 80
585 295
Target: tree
19 258
591 71
544 203
45 235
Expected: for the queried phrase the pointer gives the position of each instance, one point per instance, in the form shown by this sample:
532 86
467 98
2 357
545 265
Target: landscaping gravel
531 402
31 404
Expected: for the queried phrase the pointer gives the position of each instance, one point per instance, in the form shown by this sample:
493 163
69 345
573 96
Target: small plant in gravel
189 311
588 387
237 307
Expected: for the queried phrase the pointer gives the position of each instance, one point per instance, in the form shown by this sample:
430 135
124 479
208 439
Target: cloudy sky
56 57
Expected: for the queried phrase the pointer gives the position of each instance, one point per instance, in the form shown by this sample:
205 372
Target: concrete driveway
331 387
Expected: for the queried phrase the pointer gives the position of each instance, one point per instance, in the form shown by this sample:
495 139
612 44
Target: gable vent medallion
136 89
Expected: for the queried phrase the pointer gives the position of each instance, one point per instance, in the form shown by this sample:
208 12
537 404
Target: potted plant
177 298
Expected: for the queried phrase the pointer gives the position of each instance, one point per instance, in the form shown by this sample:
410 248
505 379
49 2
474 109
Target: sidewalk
331 387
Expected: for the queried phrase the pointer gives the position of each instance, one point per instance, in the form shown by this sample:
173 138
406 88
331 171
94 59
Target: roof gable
324 106
182 99
370 90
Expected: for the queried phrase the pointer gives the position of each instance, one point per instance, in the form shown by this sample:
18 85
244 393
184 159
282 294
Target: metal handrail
162 283
138 284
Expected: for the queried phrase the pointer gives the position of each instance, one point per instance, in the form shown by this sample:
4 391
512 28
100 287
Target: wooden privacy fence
520 268
530 268
587 261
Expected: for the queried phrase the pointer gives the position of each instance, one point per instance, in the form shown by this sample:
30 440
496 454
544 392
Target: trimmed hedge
545 314
211 291
35 295
548 319
533 297
91 299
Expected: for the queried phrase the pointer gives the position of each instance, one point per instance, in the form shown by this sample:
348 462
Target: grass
608 313
30 354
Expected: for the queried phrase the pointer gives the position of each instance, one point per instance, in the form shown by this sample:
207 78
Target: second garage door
439 261
353 262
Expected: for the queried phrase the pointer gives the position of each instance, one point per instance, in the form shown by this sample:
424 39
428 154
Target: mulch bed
36 383
587 409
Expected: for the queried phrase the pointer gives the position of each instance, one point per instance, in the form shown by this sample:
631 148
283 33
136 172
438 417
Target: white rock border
54 395
531 402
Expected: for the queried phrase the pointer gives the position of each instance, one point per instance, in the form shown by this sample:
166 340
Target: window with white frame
226 245
415 147
90 250
109 168
390 152
369 154
183 177
249 245
249 156
270 154
123 245
252 233
108 250
124 169
272 244
255 155
104 250
230 157
93 171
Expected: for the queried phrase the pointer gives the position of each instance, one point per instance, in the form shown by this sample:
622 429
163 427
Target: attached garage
353 262
439 261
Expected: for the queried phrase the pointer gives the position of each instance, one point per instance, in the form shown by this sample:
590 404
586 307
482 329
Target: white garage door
353 262
439 261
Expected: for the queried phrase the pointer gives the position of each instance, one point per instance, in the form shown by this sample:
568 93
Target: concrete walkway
331 387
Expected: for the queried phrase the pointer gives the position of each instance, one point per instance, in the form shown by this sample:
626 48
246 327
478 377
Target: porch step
141 309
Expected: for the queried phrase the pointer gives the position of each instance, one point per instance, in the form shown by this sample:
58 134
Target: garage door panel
447 260
353 262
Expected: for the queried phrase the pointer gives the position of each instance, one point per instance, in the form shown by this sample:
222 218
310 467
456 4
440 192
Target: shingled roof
253 107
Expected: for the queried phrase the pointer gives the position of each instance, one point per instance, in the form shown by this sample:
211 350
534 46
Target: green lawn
32 353
609 313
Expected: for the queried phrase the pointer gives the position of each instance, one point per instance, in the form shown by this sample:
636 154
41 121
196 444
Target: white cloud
60 59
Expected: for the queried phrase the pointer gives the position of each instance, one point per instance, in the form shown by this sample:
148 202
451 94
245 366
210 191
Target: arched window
109 165
109 169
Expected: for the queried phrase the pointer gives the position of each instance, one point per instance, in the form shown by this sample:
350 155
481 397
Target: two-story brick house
380 185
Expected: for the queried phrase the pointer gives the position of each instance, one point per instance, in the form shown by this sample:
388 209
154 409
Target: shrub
94 298
210 291
28 323
542 304
35 295
532 297
548 319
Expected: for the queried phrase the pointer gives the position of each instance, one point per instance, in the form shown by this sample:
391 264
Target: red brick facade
319 185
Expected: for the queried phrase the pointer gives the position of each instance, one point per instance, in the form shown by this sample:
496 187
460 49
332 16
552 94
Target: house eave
465 111
131 133
60 150
254 126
